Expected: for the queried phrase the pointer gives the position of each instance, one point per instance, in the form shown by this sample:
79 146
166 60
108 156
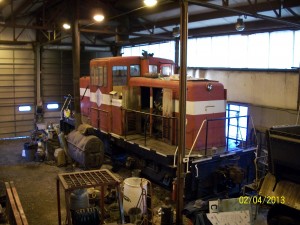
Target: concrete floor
36 185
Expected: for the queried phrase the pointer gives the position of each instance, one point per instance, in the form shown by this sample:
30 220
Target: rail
98 116
198 133
228 136
207 122
147 121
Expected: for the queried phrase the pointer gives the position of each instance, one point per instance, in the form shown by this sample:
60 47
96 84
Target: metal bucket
135 214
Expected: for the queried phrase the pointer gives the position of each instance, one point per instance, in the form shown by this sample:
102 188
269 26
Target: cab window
99 76
135 71
119 75
152 69
166 70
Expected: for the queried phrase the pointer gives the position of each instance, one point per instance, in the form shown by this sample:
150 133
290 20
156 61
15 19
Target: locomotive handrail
137 111
175 153
145 128
207 121
87 87
147 114
101 110
225 118
187 165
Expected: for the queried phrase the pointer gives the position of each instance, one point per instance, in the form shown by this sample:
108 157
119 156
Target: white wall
271 89
271 96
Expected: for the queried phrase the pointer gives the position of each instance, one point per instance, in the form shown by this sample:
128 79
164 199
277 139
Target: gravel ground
36 183
36 186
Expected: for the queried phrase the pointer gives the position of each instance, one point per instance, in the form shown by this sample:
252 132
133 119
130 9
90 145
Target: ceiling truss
135 22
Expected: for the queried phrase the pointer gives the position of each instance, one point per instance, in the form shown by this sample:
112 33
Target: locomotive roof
132 57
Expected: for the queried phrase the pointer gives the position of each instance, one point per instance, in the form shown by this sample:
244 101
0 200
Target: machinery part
86 150
282 191
166 212
283 146
86 216
283 215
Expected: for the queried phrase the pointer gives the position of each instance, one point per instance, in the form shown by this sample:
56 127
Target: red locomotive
133 105
138 95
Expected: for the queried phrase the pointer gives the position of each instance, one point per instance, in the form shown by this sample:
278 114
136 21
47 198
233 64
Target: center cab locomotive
133 105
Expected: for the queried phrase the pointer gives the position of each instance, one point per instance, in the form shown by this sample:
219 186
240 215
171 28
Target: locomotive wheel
283 215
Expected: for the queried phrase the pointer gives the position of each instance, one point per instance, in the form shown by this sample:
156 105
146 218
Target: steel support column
182 109
76 62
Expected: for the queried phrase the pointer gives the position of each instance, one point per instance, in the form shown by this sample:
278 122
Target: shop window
237 124
52 106
24 108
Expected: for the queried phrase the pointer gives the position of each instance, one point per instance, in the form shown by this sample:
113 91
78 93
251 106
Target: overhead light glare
150 3
240 26
66 26
98 17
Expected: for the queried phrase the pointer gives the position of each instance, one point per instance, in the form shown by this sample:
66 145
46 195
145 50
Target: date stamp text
257 199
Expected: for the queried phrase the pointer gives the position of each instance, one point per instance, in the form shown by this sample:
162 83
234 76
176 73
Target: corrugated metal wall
17 88
18 85
56 80
57 77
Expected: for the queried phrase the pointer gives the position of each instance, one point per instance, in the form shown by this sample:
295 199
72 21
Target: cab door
131 104
168 122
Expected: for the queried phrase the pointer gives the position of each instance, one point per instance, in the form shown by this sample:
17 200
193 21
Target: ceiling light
150 3
66 26
240 26
98 17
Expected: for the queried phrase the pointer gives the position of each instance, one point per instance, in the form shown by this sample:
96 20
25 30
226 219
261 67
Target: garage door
57 78
17 92
56 81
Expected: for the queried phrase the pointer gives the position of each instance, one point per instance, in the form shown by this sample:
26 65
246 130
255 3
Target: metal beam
167 36
239 12
220 13
251 27
31 27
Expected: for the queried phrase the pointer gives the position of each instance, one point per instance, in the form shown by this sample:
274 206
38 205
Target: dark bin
30 150
284 152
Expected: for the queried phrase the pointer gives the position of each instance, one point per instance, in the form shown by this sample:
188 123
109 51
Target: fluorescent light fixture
176 32
98 17
24 108
52 106
240 26
150 3
66 26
